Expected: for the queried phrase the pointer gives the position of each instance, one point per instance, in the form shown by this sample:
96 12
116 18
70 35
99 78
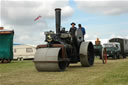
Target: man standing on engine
73 29
82 29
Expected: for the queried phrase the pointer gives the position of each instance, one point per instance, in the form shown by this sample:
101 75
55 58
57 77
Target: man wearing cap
82 29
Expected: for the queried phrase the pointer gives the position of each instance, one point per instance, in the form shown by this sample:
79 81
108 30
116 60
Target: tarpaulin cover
6 46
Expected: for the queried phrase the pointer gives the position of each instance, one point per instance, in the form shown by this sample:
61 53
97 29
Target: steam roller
63 49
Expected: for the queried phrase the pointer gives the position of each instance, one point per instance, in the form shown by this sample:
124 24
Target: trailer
24 52
123 45
6 45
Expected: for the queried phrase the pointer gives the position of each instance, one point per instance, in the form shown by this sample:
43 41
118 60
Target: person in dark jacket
82 29
72 32
73 29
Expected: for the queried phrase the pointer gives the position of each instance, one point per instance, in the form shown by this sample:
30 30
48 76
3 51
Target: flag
37 18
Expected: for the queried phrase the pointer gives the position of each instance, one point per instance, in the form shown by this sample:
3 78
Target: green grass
115 72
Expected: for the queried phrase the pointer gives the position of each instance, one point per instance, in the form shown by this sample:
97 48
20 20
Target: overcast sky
101 18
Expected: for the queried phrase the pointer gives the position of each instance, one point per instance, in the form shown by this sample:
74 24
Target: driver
72 32
73 29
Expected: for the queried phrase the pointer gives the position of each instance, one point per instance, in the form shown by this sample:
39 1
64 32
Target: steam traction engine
61 49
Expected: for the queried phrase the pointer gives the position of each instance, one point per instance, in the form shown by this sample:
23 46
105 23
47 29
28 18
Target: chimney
1 28
58 19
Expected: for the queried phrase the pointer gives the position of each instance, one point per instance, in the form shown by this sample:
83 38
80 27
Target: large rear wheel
86 54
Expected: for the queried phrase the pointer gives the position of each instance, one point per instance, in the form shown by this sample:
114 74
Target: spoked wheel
86 54
5 61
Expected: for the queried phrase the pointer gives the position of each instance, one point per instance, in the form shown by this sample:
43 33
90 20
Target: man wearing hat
72 32
73 29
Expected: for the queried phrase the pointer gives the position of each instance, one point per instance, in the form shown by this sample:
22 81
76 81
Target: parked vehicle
6 45
113 49
123 45
22 52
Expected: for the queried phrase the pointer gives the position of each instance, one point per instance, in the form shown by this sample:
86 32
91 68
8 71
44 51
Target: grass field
115 72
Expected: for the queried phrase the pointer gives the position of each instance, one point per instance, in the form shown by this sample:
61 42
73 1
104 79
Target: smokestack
58 19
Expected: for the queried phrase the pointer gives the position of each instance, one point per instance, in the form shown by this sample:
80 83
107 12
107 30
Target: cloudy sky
101 18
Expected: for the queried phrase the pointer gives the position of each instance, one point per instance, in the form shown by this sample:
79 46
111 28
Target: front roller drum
49 59
86 54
